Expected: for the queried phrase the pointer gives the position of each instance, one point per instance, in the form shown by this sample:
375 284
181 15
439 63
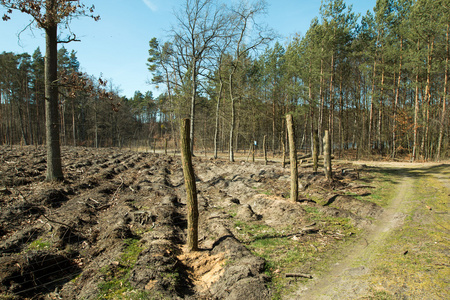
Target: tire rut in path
344 279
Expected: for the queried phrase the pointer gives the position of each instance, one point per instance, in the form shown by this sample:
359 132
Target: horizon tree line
378 83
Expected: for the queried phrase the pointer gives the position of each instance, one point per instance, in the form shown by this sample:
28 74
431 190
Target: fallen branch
361 187
298 275
60 223
304 156
117 191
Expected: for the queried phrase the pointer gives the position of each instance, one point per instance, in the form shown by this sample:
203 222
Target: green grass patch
116 285
284 253
385 182
413 261
39 244
254 231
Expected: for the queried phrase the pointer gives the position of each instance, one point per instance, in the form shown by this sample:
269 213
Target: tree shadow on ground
397 173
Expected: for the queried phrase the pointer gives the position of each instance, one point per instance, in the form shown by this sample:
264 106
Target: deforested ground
116 227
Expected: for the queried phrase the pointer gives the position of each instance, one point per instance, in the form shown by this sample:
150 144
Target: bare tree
199 24
248 36
48 15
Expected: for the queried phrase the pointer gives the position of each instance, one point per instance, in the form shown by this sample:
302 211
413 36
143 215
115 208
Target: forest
378 82
87 212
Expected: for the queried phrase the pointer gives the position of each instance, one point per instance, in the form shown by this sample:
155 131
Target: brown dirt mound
116 226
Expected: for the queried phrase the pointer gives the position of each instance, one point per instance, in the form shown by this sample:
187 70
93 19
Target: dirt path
357 274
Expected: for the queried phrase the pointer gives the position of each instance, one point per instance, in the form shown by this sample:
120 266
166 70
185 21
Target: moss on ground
116 285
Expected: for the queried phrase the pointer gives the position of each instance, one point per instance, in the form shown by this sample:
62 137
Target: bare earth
116 229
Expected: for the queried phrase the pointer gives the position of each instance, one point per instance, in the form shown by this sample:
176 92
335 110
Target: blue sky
116 47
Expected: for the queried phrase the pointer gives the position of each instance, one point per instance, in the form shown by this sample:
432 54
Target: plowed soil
116 227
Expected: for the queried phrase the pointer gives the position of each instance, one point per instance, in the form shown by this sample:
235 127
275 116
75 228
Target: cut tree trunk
265 149
327 156
292 158
191 189
315 153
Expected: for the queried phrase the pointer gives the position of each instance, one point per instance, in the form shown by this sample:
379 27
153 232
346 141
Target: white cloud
150 5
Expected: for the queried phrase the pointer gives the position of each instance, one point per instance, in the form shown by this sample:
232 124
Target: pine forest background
377 82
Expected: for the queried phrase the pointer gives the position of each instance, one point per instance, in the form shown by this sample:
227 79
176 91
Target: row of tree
91 112
378 83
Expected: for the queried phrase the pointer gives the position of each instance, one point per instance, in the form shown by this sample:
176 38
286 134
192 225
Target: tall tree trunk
193 99
62 112
327 155
372 100
331 113
416 111
381 111
74 131
360 106
315 152
2 133
322 105
394 109
341 107
265 149
21 122
11 124
444 98
283 149
425 145
233 117
216 127
30 125
96 127
311 106
54 167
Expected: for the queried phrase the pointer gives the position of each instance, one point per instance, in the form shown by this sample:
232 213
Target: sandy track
351 277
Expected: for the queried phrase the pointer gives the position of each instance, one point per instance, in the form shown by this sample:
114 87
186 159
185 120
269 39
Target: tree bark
416 112
274 117
283 148
327 156
191 190
193 100
315 153
265 149
322 104
340 116
292 158
397 92
380 112
425 144
444 98
216 129
233 118
54 168
371 113
331 113
253 152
